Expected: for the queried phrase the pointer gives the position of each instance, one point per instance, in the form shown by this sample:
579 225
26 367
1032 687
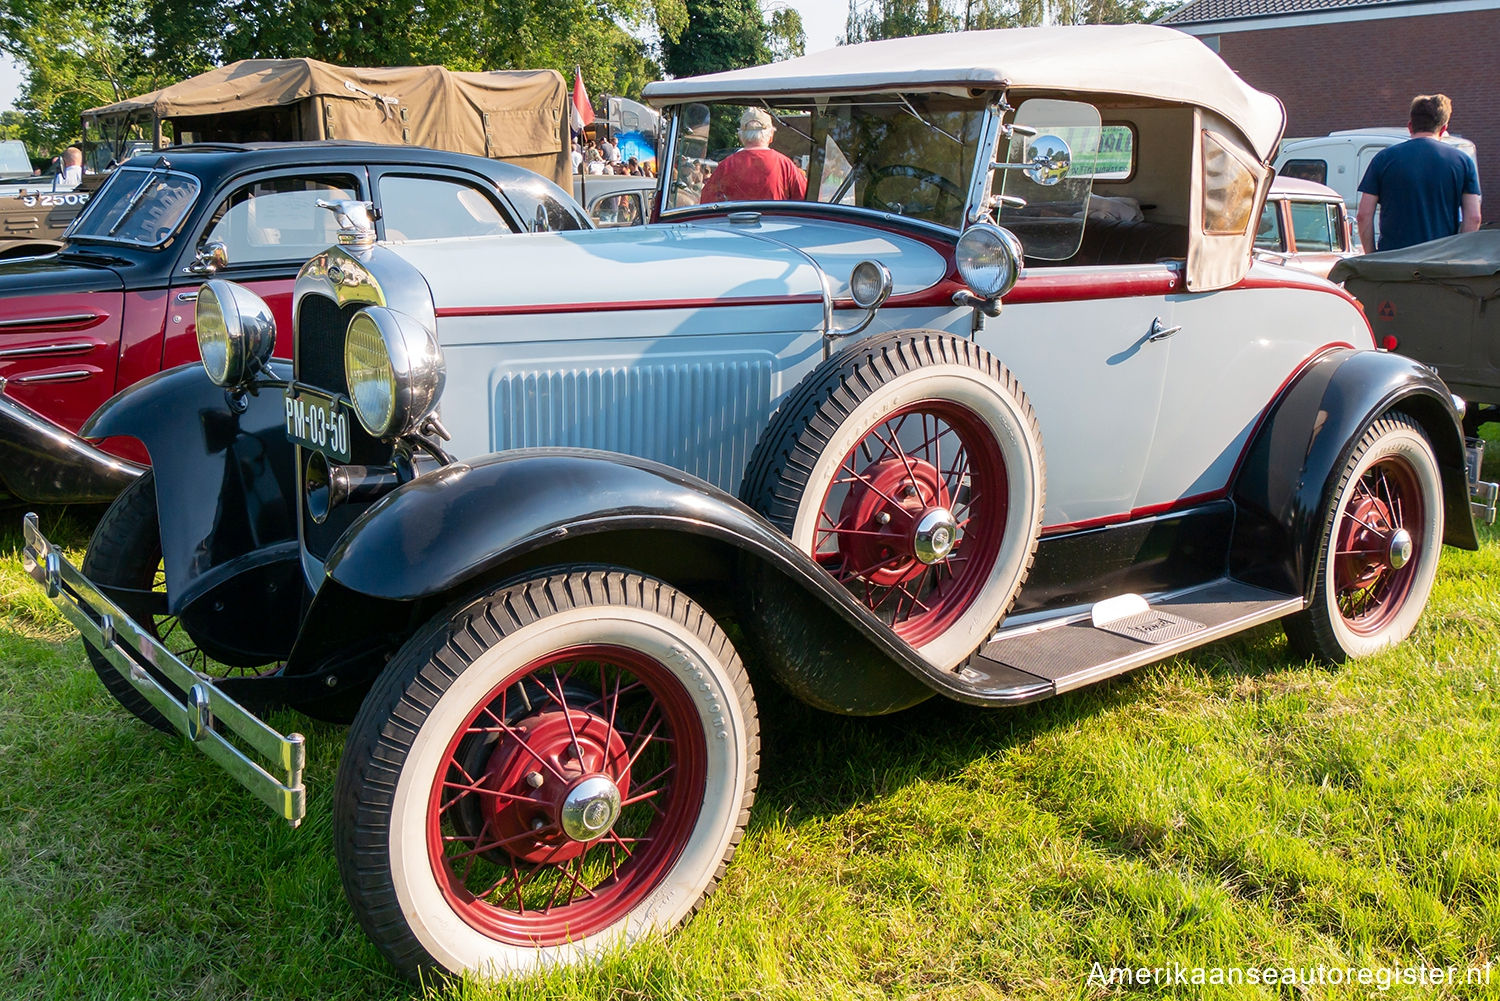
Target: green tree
785 38
872 19
719 35
73 57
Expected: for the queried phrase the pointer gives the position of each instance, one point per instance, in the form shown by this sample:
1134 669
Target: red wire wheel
1378 550
913 520
1382 526
566 796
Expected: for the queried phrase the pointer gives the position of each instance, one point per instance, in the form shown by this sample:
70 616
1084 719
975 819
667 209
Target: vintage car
989 442
1305 225
612 200
115 304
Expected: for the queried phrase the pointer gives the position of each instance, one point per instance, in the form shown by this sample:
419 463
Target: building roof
1203 11
1140 60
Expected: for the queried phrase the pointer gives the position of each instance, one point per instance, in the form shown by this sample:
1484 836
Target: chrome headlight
870 284
989 259
394 369
236 332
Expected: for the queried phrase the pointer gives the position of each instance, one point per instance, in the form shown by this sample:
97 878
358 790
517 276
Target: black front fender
1292 466
224 478
468 525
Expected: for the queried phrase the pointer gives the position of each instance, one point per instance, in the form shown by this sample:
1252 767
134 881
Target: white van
1339 159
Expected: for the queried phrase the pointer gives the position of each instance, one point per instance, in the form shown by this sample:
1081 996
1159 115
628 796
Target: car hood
56 273
677 265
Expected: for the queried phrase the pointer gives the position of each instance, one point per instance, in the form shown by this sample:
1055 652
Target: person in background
1424 188
610 151
755 172
71 174
577 158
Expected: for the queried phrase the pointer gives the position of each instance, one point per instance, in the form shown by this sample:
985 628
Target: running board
1118 635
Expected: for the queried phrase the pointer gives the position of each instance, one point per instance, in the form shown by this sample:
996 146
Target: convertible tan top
1139 60
516 116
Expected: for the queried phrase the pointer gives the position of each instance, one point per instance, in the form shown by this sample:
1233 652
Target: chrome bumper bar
1482 493
130 649
43 464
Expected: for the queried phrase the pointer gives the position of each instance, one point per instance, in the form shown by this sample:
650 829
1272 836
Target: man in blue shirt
1424 187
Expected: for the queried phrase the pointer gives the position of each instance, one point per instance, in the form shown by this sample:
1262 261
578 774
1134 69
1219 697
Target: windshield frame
133 202
974 186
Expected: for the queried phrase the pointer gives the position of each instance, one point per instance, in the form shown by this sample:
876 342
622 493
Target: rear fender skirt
471 525
1289 472
224 480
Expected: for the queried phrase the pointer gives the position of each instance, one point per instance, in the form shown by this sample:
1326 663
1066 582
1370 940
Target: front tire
1379 548
124 558
556 767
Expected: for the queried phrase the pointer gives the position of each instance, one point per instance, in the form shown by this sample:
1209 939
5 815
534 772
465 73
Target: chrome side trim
47 350
65 375
42 321
128 648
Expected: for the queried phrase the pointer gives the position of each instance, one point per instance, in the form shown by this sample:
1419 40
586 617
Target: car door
270 224
1080 341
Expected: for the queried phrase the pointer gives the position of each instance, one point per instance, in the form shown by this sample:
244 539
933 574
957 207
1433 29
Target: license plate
318 421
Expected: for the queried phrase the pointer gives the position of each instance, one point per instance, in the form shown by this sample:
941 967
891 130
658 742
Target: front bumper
1482 493
43 464
205 716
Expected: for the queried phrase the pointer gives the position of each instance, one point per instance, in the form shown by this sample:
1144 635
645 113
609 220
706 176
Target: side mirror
213 256
1050 160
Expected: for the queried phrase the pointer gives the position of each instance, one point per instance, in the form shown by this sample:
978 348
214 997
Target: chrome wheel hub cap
590 809
1400 551
935 533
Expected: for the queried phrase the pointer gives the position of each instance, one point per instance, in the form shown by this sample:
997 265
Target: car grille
319 363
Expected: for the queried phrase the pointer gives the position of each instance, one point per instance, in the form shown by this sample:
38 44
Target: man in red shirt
756 172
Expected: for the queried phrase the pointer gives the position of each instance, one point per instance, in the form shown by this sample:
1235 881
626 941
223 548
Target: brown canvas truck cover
516 116
1441 301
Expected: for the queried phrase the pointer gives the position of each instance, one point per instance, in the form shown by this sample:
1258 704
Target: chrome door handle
1159 332
188 296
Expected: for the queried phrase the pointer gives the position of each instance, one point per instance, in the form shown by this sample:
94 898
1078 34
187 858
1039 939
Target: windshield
139 206
13 158
907 154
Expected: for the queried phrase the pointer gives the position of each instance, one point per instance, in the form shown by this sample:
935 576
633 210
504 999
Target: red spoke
621 843
645 742
865 480
511 732
479 850
567 716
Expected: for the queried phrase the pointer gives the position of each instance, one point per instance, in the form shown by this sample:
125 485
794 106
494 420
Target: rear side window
623 209
1228 188
425 208
1268 234
1306 170
1312 226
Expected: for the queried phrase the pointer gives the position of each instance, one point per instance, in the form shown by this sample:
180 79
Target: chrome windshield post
978 205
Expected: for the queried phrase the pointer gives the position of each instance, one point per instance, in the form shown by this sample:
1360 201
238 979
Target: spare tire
910 466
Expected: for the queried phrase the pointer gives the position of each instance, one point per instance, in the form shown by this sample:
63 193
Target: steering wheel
894 177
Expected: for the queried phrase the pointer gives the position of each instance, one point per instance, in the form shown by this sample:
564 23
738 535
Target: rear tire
1379 547
539 701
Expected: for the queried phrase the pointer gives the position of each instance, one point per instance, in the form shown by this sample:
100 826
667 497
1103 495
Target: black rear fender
225 484
1292 466
471 526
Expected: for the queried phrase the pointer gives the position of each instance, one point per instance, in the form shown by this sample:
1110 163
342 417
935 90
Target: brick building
1346 64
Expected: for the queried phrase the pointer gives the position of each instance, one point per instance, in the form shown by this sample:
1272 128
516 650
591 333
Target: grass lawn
1228 808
